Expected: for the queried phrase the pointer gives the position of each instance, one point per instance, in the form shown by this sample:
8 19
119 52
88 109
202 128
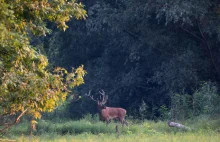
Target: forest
157 59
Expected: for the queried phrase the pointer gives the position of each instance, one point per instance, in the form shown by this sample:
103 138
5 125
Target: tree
26 85
143 50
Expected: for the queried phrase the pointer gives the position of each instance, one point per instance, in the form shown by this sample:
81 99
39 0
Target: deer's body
108 113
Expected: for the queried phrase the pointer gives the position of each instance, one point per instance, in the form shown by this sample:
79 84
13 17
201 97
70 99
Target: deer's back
114 112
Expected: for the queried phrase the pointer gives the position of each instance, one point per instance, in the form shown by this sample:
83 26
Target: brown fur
109 113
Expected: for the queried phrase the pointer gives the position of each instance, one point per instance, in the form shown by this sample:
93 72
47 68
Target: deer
108 113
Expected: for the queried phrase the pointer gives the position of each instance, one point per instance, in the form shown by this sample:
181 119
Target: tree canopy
27 85
151 51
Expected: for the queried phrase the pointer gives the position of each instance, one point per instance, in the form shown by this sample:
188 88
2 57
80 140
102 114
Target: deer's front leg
108 120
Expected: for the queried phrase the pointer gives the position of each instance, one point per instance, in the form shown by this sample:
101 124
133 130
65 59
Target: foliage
206 100
144 50
143 110
203 101
164 113
181 107
26 85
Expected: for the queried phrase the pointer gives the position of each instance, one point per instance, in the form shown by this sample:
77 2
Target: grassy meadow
203 129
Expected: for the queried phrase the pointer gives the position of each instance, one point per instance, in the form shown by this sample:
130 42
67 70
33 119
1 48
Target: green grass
203 129
142 137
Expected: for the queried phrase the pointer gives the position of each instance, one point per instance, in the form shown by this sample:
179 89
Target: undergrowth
92 129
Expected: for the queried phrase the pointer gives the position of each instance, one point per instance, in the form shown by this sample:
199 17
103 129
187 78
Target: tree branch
209 49
15 122
204 40
191 33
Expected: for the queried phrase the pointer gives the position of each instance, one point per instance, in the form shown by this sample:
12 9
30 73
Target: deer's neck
100 109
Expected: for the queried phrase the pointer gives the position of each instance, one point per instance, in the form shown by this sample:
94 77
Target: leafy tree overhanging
26 86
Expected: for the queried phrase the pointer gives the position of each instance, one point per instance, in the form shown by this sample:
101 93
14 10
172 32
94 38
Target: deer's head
101 101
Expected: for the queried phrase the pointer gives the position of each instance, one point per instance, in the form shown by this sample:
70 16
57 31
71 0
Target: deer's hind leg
122 121
125 122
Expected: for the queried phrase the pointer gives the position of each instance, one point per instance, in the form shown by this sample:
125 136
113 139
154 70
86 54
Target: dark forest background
155 58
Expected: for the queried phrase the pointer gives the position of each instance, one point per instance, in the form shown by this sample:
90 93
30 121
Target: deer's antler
104 97
91 97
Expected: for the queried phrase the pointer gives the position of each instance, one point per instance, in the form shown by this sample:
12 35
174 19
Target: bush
205 100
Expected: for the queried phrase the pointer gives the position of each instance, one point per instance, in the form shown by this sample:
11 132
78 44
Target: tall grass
92 130
140 137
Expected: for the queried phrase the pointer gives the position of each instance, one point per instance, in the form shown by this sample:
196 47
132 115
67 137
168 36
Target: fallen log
178 125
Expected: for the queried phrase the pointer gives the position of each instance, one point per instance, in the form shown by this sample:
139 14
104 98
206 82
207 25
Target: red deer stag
108 113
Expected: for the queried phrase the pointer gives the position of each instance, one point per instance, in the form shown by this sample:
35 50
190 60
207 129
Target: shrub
205 100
